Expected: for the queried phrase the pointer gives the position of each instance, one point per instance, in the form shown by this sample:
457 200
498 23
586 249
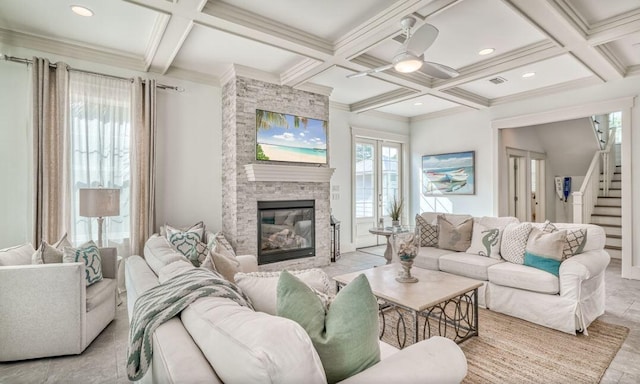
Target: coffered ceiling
314 45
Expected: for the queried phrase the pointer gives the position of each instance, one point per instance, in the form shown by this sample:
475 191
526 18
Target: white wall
15 146
188 157
340 123
473 130
462 132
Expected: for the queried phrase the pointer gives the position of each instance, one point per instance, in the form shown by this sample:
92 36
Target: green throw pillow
346 335
88 254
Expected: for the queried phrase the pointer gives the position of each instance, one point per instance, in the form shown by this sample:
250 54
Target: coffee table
447 301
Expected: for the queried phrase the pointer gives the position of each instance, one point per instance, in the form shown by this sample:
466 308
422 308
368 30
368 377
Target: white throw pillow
18 255
261 287
244 346
514 242
51 253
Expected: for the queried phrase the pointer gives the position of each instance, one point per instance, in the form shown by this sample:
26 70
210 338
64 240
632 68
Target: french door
377 180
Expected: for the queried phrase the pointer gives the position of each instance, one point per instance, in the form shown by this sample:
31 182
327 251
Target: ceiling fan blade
438 70
422 39
370 71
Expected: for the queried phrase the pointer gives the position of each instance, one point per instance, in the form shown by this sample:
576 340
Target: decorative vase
395 223
406 260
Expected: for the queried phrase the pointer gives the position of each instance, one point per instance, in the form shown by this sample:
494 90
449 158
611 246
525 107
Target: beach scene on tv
283 137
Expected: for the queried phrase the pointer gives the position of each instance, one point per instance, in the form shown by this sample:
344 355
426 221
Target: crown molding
73 49
441 113
470 97
566 86
315 88
611 58
193 76
158 30
633 70
390 97
386 115
379 135
339 106
300 72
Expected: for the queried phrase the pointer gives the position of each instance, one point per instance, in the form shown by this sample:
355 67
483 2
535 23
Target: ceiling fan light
406 63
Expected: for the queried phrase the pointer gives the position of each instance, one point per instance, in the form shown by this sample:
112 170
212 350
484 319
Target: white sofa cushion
466 264
261 287
244 346
524 277
158 252
428 257
18 255
99 292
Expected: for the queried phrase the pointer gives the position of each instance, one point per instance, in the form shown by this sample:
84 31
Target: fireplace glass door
286 230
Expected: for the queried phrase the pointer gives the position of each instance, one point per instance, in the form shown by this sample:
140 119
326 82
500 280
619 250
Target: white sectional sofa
215 340
568 302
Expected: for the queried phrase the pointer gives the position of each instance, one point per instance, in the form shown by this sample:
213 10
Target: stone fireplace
246 182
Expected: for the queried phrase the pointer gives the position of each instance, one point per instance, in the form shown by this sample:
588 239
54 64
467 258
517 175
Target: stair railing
586 198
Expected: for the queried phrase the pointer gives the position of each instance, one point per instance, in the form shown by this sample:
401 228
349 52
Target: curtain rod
29 61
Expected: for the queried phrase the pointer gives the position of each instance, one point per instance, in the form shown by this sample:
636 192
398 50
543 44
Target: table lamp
100 203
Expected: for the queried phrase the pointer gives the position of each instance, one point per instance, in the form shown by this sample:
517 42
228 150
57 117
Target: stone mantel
288 173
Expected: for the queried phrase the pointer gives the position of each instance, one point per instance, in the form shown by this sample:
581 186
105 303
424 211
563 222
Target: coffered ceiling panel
115 24
547 72
418 106
627 49
468 27
593 11
211 51
349 91
328 19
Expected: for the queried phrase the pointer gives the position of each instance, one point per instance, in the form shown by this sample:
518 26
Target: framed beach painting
449 174
290 138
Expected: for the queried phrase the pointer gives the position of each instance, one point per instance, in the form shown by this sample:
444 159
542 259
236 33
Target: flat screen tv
289 138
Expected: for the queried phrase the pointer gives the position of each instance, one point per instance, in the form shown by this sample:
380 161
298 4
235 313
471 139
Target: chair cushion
467 264
428 257
99 292
524 277
18 255
244 346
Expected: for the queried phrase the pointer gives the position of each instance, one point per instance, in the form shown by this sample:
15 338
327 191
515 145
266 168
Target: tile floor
104 360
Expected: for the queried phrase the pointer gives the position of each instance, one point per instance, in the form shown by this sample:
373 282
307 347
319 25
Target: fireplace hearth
286 230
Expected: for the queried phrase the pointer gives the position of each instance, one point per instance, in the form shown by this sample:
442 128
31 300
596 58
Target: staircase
607 213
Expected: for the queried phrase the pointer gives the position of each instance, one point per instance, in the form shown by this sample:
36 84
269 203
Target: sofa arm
435 360
579 268
43 310
248 263
109 258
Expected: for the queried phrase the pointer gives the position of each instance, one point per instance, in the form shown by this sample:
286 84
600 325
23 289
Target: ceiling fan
410 57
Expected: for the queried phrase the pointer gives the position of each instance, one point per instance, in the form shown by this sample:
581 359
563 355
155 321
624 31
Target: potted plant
395 211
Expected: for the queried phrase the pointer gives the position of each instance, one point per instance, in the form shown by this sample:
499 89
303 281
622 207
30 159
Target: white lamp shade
99 202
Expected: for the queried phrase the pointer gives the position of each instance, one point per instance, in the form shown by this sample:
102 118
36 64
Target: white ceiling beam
556 19
387 98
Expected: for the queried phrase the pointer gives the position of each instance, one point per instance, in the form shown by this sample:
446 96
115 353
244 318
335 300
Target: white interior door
377 180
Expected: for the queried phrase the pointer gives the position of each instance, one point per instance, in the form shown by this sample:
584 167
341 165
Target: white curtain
50 86
100 125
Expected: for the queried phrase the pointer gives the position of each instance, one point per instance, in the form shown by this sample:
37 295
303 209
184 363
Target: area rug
510 350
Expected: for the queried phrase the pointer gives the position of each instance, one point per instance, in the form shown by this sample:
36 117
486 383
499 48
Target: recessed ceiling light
486 51
82 11
417 103
528 74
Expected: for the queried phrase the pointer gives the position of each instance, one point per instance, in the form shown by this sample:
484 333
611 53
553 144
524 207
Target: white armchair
47 310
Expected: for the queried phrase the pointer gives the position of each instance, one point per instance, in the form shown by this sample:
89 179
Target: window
100 124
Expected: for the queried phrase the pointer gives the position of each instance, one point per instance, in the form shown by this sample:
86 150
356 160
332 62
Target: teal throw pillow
345 335
88 254
544 250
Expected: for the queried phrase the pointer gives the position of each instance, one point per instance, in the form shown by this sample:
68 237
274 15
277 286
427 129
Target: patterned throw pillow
514 242
575 242
222 246
88 254
454 237
485 241
544 250
428 232
189 244
197 228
